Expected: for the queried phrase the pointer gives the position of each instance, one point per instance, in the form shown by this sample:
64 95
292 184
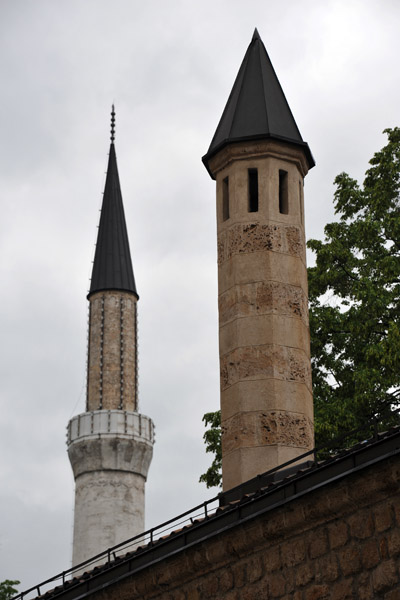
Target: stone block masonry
264 341
259 161
110 446
256 237
112 352
341 541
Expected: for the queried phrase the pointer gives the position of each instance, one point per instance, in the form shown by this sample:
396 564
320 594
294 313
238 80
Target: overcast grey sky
169 67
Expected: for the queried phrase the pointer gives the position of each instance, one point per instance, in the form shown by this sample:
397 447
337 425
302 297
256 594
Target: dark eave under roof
257 107
112 267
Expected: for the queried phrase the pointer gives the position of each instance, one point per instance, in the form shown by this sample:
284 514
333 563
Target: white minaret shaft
111 445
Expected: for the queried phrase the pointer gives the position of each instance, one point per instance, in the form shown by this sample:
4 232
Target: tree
354 295
354 298
212 439
7 589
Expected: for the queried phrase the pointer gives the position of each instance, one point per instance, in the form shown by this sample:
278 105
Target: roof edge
205 159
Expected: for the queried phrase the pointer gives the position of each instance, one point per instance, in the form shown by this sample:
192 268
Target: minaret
259 161
110 446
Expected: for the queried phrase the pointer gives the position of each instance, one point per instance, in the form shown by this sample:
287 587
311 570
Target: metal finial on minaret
112 124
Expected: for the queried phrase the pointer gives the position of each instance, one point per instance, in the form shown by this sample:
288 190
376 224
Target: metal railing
199 513
145 539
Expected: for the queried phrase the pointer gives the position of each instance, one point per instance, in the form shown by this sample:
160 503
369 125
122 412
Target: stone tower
110 446
259 161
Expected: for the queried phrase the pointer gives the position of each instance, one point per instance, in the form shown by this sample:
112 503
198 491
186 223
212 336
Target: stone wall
339 542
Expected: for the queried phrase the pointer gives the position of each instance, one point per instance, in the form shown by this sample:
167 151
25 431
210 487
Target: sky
169 68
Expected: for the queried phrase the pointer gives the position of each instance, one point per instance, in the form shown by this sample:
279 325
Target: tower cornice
263 148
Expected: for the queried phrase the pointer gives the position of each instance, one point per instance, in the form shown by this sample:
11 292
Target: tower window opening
225 199
283 193
253 190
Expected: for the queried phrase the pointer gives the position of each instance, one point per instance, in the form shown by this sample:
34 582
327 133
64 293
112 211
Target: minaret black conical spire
112 267
257 107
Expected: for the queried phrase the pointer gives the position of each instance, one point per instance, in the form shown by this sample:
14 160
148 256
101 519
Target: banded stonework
267 361
264 341
112 352
263 297
259 237
273 428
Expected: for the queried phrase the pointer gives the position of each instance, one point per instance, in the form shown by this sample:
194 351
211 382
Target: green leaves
7 589
212 439
354 296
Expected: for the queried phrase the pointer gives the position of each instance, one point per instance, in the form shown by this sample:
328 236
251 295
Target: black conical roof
112 267
257 107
